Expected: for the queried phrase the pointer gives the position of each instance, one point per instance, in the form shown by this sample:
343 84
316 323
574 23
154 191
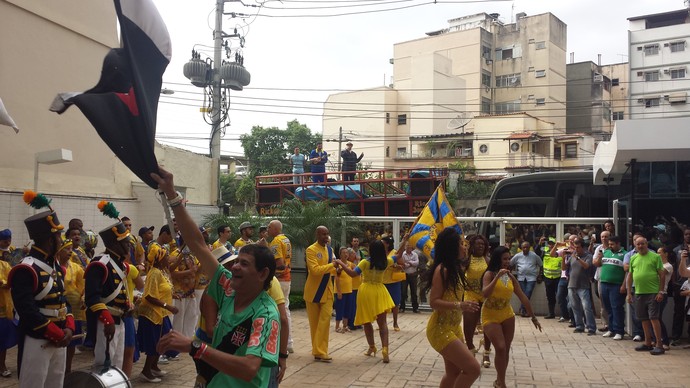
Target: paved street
556 357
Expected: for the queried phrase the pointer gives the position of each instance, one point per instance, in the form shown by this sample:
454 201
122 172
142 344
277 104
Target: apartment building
445 82
659 58
596 98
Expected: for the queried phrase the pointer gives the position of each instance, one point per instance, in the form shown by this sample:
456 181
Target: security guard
37 285
105 293
552 275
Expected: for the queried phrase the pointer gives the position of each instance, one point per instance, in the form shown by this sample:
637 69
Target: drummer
106 294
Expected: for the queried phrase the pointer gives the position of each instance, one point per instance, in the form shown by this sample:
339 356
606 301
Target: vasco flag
5 118
123 105
437 215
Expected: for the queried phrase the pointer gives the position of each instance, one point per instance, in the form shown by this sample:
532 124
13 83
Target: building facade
659 58
596 98
459 94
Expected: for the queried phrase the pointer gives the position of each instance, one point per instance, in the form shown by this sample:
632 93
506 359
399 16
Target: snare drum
113 378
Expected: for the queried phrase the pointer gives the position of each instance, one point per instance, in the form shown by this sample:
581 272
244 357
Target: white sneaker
637 338
163 359
607 334
290 349
617 337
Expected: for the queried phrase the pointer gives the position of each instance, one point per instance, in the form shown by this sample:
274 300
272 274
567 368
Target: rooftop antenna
459 122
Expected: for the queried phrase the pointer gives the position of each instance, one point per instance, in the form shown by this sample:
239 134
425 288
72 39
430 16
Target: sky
299 52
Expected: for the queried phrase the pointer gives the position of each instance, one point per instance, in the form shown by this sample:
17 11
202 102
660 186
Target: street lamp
56 156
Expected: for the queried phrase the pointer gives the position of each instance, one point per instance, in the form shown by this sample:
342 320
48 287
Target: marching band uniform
106 295
37 287
318 295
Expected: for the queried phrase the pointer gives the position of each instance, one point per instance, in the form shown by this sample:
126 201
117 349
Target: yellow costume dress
474 274
372 296
496 307
445 326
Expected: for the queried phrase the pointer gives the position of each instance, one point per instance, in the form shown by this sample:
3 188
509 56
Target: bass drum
112 378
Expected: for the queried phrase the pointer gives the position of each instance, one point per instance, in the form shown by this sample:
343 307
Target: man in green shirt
647 270
613 291
246 340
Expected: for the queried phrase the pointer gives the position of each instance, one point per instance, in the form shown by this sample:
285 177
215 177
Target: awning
647 140
522 136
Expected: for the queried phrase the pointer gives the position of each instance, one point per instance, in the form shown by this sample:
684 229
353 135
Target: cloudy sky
299 52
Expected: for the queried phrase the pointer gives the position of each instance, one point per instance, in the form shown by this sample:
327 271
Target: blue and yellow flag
437 215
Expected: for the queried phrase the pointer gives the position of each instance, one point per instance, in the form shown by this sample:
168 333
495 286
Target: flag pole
166 210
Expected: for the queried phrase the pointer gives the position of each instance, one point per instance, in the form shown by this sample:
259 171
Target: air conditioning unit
666 71
666 45
514 147
640 100
639 48
598 77
640 73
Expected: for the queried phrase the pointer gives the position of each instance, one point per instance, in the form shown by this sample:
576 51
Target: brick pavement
556 357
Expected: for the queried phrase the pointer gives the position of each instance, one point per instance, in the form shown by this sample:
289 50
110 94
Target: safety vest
552 266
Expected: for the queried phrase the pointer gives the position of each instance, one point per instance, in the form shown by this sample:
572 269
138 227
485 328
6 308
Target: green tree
300 220
268 148
228 188
245 192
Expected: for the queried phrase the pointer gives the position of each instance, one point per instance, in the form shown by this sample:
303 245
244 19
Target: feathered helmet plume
42 224
36 200
116 232
108 210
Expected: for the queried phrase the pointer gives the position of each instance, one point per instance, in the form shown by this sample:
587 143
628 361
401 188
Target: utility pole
216 76
216 89
340 148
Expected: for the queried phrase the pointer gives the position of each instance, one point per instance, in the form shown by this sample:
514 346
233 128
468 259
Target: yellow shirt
317 266
387 275
131 276
6 305
275 292
74 289
345 281
218 244
282 249
240 243
157 286
183 288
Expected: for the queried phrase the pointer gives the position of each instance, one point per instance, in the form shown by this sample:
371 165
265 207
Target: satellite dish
459 122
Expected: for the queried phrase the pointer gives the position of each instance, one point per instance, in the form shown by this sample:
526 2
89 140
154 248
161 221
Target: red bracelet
199 353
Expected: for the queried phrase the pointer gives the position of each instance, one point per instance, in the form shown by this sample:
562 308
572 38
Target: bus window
527 189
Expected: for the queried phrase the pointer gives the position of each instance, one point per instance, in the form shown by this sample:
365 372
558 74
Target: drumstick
74 337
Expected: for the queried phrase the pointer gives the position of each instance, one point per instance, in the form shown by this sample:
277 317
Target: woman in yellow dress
373 300
446 282
74 292
498 317
479 260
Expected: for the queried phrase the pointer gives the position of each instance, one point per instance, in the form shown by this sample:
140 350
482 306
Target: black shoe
550 316
644 348
572 325
657 351
604 329
590 333
415 311
579 331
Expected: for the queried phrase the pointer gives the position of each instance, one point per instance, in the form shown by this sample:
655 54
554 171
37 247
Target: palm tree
300 220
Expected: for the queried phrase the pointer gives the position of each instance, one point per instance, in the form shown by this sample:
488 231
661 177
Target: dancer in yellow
373 300
479 260
498 317
446 280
